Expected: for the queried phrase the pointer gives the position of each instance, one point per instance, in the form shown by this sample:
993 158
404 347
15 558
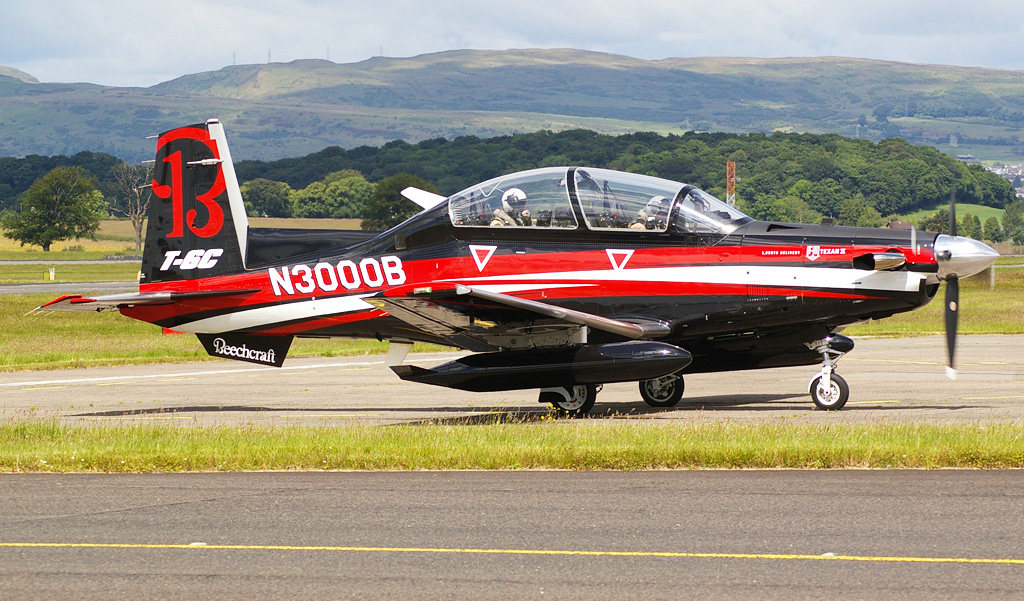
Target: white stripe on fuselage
266 316
856 280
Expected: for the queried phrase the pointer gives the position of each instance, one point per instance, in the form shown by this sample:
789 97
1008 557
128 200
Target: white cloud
143 42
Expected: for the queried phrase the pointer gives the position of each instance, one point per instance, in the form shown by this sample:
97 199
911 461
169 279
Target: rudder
197 223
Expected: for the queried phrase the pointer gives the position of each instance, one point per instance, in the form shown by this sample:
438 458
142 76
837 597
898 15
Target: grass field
33 273
980 211
117 237
37 446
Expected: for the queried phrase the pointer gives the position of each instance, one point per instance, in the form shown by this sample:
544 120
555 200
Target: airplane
561 279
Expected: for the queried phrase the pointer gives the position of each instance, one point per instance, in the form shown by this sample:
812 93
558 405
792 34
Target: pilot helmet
514 200
657 207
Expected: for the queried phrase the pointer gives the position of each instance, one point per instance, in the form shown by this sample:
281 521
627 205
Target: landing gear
664 391
829 390
830 394
572 401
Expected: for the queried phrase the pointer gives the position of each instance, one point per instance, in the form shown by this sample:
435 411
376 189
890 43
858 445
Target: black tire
832 398
664 391
581 400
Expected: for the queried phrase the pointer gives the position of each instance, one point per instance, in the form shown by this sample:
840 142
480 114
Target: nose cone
962 256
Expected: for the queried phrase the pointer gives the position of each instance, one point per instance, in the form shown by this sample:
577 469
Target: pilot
513 209
652 216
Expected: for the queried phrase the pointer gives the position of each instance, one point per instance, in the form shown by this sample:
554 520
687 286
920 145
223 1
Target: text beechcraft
560 279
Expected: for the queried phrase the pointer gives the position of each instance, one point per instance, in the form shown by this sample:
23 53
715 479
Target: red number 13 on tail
175 190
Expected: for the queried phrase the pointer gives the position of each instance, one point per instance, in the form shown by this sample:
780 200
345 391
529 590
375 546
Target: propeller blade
952 314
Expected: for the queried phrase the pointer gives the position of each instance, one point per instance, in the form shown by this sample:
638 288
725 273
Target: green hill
16 74
278 110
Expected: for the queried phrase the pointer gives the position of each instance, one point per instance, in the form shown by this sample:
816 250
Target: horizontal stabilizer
113 302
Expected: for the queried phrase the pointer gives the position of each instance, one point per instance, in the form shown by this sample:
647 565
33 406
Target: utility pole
730 183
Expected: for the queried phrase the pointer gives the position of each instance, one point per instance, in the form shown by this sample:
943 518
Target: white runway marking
193 374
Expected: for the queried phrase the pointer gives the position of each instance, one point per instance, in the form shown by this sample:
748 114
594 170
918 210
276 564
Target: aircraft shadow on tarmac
506 413
749 402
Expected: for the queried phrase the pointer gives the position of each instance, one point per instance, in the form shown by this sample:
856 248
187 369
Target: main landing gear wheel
664 391
830 394
572 401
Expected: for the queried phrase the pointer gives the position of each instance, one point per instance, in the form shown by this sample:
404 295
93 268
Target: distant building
896 224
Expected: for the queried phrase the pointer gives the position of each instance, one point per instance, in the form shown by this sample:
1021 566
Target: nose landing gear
829 390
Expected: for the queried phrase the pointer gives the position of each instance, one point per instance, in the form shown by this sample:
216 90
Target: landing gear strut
829 390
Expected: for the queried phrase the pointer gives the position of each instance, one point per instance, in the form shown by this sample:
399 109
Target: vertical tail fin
197 224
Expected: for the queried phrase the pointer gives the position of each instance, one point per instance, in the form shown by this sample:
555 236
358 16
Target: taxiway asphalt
946 534
514 535
891 380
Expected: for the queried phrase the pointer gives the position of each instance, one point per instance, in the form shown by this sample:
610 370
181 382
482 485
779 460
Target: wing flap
501 320
634 329
436 318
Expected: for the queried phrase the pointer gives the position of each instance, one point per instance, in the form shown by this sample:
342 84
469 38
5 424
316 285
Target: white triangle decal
481 254
619 258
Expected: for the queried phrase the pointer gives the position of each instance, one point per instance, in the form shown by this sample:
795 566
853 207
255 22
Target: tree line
781 177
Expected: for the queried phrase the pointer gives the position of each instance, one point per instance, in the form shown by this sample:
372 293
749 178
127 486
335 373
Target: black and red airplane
561 279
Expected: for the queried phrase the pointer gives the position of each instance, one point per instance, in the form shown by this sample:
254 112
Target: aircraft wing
113 302
483 321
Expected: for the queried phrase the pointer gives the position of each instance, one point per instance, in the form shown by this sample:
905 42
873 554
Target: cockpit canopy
603 200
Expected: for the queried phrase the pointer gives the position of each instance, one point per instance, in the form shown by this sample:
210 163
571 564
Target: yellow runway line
545 552
138 417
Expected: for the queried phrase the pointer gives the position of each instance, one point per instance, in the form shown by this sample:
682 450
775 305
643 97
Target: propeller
952 296
958 257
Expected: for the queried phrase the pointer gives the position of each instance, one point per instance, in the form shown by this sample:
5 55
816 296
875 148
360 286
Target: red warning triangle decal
619 258
481 254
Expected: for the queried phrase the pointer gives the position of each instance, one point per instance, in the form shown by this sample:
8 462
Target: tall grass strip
37 446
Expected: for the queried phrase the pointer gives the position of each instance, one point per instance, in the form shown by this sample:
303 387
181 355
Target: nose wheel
829 390
830 394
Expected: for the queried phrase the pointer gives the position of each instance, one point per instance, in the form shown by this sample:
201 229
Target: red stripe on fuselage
522 266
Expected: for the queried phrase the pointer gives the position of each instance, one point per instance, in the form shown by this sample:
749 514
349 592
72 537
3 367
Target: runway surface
891 380
514 535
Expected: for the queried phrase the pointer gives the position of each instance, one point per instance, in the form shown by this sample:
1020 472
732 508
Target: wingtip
951 372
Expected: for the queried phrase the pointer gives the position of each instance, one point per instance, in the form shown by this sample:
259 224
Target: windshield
616 200
698 212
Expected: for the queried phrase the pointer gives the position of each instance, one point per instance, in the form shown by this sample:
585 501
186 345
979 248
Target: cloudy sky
144 42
